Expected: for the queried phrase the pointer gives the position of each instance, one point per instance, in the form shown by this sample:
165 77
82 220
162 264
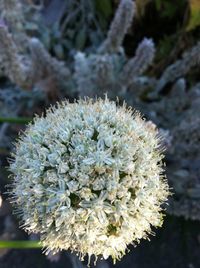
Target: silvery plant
108 69
90 74
89 177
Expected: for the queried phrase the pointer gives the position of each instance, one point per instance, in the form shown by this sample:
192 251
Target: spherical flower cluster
88 177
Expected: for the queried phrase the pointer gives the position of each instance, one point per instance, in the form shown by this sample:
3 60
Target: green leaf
104 7
158 4
194 20
17 120
20 244
165 45
169 10
141 6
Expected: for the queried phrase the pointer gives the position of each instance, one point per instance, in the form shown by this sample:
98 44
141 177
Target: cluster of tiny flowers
88 177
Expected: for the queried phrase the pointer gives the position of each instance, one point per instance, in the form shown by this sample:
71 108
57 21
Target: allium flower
88 177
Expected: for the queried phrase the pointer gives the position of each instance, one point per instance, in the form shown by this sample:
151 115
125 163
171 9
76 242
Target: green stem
20 244
18 120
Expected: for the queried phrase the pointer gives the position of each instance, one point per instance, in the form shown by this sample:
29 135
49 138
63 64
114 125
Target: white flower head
88 177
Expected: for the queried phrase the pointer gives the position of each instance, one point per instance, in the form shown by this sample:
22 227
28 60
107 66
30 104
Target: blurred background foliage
79 25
